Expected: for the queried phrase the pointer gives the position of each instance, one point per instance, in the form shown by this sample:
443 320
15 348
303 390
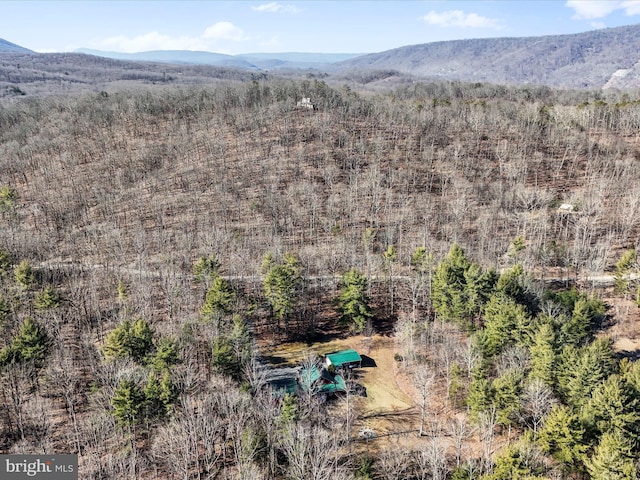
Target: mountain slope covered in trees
156 238
434 162
597 59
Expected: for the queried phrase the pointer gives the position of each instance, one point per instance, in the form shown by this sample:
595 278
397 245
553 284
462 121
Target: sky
346 26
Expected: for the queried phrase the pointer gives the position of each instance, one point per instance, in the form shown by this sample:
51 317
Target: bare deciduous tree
423 378
459 431
537 401
393 464
308 450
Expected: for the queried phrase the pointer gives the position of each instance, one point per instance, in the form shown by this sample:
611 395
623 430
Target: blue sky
235 27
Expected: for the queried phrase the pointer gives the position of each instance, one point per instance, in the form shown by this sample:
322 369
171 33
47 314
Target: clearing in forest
388 407
391 406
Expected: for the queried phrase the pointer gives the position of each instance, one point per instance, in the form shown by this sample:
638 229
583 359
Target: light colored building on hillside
305 103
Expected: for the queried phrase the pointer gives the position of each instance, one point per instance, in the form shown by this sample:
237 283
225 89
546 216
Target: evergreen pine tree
577 330
159 396
612 459
6 261
223 357
353 302
288 409
31 344
543 355
130 339
23 274
459 288
282 286
46 299
219 301
623 266
448 287
206 269
613 406
168 393
581 370
128 403
518 461
153 407
166 355
5 310
505 323
563 437
241 341
516 285
506 396
479 397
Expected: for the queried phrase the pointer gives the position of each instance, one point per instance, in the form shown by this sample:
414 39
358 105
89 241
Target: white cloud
224 31
275 7
631 7
591 9
458 18
587 9
217 37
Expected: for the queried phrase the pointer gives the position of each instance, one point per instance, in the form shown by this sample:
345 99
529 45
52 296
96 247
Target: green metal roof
308 377
337 386
310 380
344 356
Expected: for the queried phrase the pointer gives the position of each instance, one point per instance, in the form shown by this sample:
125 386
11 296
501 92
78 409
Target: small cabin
344 359
305 103
566 207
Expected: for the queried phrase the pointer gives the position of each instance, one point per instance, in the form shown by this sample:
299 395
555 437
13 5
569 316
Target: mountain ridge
602 59
192 57
584 60
257 60
6 46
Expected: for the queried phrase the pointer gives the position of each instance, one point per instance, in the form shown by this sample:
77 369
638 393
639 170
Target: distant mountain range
256 61
607 58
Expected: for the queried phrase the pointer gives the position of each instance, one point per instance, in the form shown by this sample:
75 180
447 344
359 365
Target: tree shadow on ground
359 390
630 354
384 325
274 360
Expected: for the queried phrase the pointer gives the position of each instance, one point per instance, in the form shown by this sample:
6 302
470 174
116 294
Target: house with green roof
321 381
344 359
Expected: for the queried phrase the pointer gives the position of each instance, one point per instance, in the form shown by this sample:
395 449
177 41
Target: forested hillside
238 170
604 58
156 239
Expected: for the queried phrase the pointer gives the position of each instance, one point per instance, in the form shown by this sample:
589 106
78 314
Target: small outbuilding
566 207
321 381
282 381
305 103
344 359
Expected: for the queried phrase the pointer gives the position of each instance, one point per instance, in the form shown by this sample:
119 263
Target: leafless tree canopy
111 197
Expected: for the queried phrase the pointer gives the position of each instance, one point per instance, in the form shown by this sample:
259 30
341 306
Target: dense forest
158 240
